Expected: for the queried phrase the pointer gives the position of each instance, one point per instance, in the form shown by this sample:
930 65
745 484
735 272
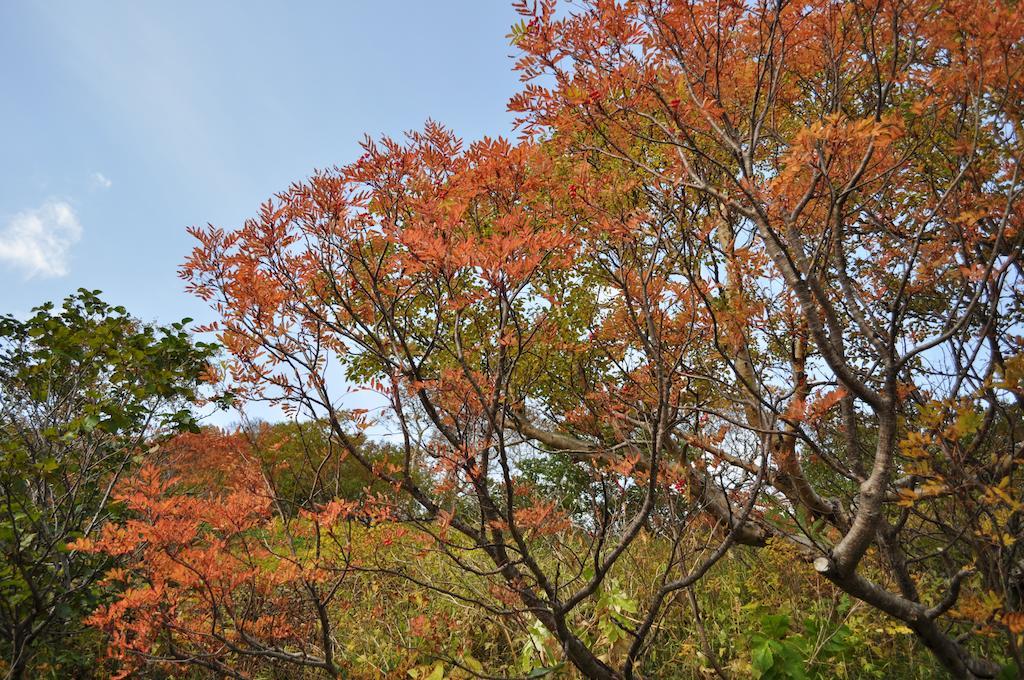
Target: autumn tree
84 390
221 568
754 270
307 469
837 183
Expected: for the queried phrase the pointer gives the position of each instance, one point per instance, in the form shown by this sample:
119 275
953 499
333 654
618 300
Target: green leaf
472 664
775 625
761 657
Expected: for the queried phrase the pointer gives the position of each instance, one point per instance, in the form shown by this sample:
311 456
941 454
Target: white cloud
101 181
39 241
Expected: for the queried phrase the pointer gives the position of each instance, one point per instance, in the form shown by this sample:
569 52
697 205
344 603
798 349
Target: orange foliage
208 571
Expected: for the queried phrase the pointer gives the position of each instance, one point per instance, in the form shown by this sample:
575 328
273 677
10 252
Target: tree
306 469
758 262
846 178
84 391
222 568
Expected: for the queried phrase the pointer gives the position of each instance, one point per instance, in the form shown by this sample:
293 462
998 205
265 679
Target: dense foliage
752 264
715 371
84 389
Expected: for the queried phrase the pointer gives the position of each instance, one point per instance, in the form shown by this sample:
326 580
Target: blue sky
123 122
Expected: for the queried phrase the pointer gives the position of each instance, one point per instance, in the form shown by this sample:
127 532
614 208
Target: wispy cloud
101 181
39 241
